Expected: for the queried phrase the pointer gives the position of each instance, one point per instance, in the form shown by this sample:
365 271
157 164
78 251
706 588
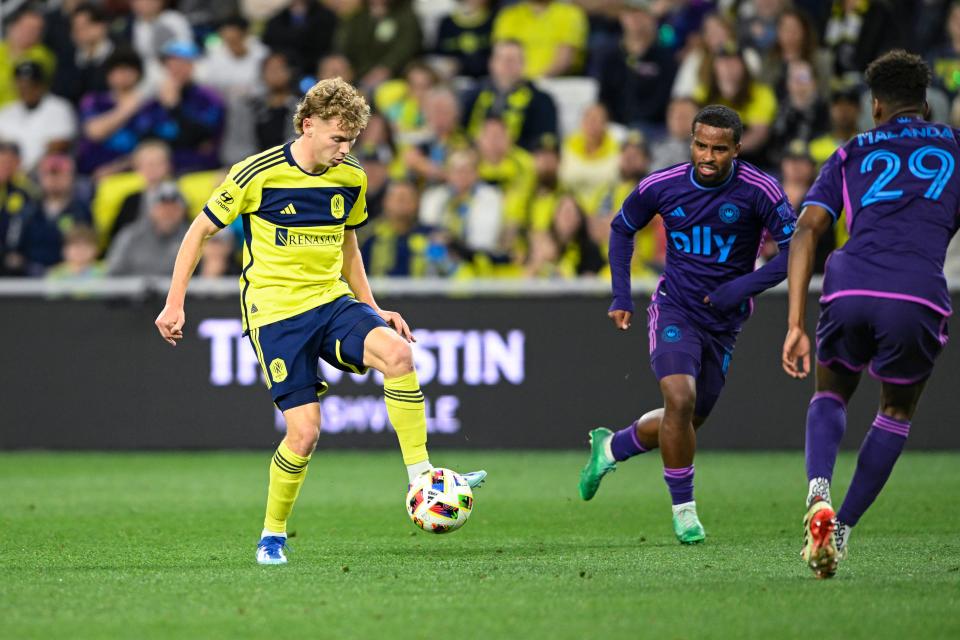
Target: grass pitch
162 546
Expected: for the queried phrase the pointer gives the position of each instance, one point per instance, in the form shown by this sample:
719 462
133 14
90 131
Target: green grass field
161 546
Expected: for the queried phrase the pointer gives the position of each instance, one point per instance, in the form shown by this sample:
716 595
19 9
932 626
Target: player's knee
303 437
678 405
397 359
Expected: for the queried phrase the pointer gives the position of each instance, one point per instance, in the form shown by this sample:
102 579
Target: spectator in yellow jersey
553 35
527 111
464 37
565 249
546 194
426 161
944 60
590 154
844 116
730 83
24 34
398 245
401 101
510 169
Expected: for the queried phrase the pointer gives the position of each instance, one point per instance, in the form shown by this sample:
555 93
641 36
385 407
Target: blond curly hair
333 99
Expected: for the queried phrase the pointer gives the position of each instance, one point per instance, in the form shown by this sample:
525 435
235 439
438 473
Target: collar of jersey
733 170
289 156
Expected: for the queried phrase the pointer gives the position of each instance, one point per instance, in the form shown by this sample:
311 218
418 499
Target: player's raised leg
608 447
678 442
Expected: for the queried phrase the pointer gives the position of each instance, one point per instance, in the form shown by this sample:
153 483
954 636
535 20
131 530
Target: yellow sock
404 402
287 472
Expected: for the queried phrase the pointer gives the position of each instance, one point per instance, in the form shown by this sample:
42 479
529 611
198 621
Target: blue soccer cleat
270 550
475 478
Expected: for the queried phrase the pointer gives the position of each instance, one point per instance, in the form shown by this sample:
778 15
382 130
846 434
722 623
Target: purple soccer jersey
713 239
897 186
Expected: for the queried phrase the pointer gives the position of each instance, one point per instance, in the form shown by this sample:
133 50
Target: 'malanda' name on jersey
929 131
293 229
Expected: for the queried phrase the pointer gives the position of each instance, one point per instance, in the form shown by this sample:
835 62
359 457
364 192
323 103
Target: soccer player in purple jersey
885 304
714 209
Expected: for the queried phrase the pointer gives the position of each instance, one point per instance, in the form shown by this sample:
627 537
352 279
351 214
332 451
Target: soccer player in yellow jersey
304 291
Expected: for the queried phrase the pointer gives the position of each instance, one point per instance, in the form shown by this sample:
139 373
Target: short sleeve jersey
293 228
713 233
898 187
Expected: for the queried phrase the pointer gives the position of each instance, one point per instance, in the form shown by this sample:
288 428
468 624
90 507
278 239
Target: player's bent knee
397 358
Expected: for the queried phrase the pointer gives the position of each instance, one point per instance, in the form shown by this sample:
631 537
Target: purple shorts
895 340
680 346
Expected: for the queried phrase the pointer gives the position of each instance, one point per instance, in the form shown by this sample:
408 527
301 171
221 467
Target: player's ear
736 150
926 110
876 110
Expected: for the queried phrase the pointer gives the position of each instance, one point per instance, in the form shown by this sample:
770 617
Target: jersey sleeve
640 207
229 200
358 214
777 215
827 190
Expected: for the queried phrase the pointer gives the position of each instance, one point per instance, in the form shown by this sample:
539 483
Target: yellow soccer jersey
293 226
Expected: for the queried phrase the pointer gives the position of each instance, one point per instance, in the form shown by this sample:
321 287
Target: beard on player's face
712 152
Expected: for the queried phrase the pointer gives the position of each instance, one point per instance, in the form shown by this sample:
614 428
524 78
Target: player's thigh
345 336
909 338
845 335
676 344
288 351
715 361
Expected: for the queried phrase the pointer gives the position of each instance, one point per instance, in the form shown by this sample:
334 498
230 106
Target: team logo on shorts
671 333
729 212
336 206
278 370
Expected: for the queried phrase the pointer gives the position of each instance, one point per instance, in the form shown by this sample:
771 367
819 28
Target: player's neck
300 151
902 113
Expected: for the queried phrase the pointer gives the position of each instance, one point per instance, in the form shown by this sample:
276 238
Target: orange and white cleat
819 539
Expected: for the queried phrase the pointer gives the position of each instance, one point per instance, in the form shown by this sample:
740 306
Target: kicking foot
686 524
819 539
475 478
270 550
598 465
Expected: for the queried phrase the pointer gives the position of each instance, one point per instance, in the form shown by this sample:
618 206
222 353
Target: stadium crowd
505 135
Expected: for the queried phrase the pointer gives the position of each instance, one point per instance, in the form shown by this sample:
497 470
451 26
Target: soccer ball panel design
439 501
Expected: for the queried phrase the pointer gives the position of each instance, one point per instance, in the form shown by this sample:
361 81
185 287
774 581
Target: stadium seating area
118 117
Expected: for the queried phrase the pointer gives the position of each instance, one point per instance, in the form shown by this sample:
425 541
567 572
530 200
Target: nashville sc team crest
278 370
336 206
729 212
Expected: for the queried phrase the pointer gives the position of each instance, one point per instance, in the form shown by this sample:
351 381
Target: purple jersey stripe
758 179
682 472
846 191
759 185
819 395
943 337
870 293
649 181
762 176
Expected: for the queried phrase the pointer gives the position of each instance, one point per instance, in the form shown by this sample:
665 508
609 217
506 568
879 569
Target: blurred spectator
757 24
844 115
56 30
24 33
151 27
464 37
546 192
636 78
38 121
553 35
232 66
114 121
149 246
218 258
590 155
803 116
565 249
192 115
528 112
381 161
152 162
731 84
57 211
945 60
398 245
335 65
80 253
304 26
796 40
401 101
680 19
675 147
509 168
717 33
799 171
205 16
468 211
264 119
17 198
379 40
427 160
857 32
84 71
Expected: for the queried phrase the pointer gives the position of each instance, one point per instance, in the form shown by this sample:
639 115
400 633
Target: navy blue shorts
897 341
289 350
680 346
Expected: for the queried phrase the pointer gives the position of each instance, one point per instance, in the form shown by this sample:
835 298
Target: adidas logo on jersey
678 213
288 210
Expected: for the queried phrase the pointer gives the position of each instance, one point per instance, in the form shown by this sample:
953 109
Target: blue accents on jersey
938 176
883 134
678 213
729 212
308 207
698 242
817 203
693 178
876 192
627 222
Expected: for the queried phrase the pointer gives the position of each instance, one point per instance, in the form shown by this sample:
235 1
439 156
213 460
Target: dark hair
899 79
717 115
712 82
123 57
235 20
809 47
93 12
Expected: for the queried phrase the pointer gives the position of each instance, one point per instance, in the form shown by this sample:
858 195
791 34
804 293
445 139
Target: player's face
329 143
712 152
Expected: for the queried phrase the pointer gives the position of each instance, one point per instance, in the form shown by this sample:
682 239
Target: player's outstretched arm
814 222
171 319
637 211
356 277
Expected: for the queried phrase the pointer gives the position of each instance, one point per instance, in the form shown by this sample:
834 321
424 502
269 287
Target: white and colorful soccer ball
439 501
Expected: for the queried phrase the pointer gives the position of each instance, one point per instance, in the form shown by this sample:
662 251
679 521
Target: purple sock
879 453
826 422
680 483
625 443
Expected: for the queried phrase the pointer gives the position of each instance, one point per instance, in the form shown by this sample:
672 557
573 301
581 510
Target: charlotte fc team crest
729 212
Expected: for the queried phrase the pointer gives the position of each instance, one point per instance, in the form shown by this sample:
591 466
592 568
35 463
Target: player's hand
796 353
399 325
170 324
621 318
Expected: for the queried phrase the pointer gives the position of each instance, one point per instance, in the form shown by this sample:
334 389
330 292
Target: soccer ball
439 501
